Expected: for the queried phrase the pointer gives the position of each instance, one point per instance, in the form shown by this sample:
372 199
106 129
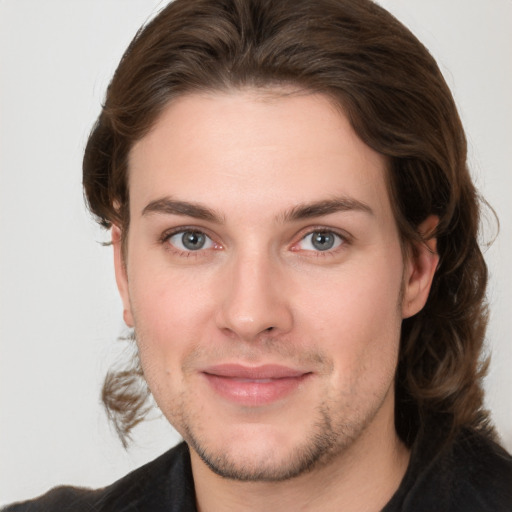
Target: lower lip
254 392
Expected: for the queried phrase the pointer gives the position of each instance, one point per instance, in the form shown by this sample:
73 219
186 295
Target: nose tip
249 324
255 303
246 327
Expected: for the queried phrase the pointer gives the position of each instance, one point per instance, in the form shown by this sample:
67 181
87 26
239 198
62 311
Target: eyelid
168 234
346 239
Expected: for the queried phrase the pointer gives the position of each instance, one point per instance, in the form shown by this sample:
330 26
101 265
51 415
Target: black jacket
473 474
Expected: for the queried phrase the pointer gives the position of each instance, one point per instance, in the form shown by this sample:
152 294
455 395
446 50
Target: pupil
193 241
322 241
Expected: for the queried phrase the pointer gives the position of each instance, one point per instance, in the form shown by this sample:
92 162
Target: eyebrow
169 206
325 207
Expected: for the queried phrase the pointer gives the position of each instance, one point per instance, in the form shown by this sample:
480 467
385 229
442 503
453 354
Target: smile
254 386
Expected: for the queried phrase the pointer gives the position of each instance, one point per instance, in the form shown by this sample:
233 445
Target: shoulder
60 498
481 473
472 474
163 484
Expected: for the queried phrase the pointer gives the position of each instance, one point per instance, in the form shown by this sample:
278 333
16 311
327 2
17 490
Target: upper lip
266 371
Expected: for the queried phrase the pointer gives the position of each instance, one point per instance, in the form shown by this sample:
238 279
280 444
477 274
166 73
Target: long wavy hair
397 101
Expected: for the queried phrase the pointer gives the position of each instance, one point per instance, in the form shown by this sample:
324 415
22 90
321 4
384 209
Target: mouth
254 386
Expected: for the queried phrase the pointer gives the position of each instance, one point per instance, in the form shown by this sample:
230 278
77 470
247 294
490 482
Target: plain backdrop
59 311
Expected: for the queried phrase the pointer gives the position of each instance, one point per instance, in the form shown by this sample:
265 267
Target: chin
262 453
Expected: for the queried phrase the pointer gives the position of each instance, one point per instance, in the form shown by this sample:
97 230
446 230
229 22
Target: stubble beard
337 427
324 443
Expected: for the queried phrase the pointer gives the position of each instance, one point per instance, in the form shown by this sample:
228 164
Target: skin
259 292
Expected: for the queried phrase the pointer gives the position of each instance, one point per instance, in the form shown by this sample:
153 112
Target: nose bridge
254 300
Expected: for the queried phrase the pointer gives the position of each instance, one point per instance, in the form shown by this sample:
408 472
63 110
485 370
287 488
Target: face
264 276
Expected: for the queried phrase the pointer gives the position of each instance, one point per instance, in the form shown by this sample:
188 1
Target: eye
190 240
320 241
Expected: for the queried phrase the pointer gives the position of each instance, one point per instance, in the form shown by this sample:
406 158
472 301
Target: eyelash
344 240
167 235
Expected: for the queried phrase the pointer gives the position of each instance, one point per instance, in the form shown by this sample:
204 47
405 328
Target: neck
361 478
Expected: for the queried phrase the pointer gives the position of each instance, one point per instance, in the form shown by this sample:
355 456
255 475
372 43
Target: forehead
268 149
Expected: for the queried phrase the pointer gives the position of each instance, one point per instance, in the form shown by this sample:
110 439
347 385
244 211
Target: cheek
169 310
357 319
168 322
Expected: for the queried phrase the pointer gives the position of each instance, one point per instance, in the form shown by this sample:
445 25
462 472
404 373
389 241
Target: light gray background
59 310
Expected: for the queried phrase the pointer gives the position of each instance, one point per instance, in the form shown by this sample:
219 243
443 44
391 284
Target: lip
254 385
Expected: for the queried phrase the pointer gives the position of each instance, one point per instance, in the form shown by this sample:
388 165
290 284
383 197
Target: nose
254 299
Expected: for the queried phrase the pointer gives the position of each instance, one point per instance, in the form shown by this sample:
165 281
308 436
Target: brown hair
391 89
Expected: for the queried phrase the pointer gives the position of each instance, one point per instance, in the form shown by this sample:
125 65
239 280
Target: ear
121 275
420 268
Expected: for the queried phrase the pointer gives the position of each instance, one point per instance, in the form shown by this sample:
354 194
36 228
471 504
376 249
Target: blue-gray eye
321 241
193 240
190 241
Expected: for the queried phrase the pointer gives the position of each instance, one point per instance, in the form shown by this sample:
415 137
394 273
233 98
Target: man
294 230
